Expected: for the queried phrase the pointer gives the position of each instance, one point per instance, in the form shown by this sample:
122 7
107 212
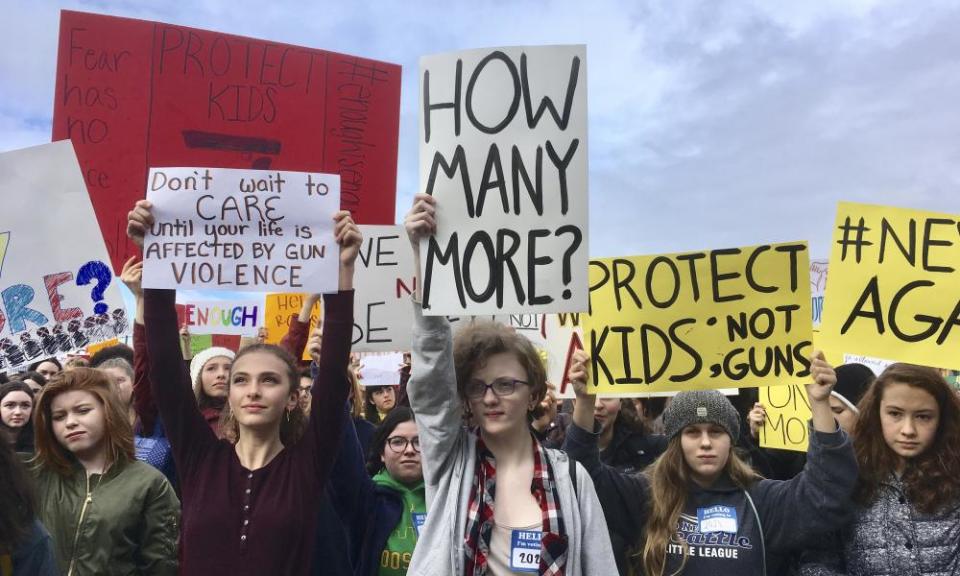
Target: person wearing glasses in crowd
502 502
381 502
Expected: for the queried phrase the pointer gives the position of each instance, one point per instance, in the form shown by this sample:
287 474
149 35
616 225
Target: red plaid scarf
553 547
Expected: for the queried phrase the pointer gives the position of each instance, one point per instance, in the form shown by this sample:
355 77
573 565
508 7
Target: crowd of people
151 459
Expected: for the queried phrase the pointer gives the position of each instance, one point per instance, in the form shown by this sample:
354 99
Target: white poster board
57 292
380 369
503 149
242 230
384 281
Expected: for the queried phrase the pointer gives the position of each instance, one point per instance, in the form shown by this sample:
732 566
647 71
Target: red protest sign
132 94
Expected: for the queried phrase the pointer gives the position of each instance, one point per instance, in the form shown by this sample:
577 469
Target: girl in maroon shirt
251 508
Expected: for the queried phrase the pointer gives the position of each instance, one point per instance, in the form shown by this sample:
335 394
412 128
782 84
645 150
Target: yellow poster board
277 311
893 289
730 318
788 411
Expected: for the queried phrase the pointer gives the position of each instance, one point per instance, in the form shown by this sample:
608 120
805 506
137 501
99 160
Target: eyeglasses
399 444
501 387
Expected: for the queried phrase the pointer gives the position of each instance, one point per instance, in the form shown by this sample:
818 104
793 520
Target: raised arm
432 388
143 403
295 340
331 385
623 497
796 513
188 432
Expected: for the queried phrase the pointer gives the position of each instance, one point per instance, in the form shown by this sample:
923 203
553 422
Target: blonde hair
670 480
118 433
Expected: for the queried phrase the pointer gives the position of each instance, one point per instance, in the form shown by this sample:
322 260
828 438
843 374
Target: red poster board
132 94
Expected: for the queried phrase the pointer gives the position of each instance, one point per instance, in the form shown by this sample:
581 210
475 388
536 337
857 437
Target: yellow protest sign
277 312
94 348
788 411
702 320
893 289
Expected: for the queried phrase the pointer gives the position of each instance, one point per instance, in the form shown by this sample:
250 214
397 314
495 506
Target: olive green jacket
126 521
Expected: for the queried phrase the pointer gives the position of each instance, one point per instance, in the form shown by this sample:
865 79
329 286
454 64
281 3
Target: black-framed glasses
399 444
477 389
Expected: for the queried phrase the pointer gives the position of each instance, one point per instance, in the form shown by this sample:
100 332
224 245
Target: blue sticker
717 519
525 550
419 519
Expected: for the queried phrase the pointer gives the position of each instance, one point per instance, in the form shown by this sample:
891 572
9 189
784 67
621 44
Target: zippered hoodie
449 458
774 517
399 545
125 521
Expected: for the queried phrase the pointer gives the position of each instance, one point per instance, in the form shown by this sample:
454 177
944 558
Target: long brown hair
932 478
293 423
118 434
670 481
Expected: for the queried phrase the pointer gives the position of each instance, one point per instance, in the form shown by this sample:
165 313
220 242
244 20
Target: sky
711 124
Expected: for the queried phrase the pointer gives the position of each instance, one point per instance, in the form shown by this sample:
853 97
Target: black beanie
852 382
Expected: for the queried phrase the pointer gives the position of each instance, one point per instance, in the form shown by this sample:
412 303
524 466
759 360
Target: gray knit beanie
701 407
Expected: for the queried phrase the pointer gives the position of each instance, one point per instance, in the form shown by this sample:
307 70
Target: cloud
711 124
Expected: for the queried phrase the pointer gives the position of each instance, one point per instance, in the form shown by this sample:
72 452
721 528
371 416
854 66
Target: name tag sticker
717 519
419 519
525 550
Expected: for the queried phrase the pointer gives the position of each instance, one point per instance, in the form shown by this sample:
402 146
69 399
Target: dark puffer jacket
891 538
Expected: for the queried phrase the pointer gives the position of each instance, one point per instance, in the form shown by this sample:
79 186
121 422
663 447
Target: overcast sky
712 124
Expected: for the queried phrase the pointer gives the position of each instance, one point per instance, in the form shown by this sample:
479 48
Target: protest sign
818 285
725 318
242 318
201 342
876 365
245 230
894 289
132 94
94 348
562 336
510 180
278 313
385 279
380 368
788 411
56 288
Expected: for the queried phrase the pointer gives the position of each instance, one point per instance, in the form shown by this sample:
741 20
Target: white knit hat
200 360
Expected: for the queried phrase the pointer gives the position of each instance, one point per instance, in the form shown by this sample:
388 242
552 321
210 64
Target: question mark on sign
577 239
96 270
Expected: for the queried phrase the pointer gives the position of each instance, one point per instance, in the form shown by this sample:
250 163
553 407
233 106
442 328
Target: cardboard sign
380 369
894 289
503 148
277 316
704 320
201 342
818 286
876 365
242 318
788 411
57 293
563 335
245 230
94 348
385 279
132 94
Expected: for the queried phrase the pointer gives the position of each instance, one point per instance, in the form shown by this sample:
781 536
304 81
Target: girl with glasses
503 503
381 502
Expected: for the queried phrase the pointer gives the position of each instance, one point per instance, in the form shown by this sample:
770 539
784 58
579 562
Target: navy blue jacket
368 512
